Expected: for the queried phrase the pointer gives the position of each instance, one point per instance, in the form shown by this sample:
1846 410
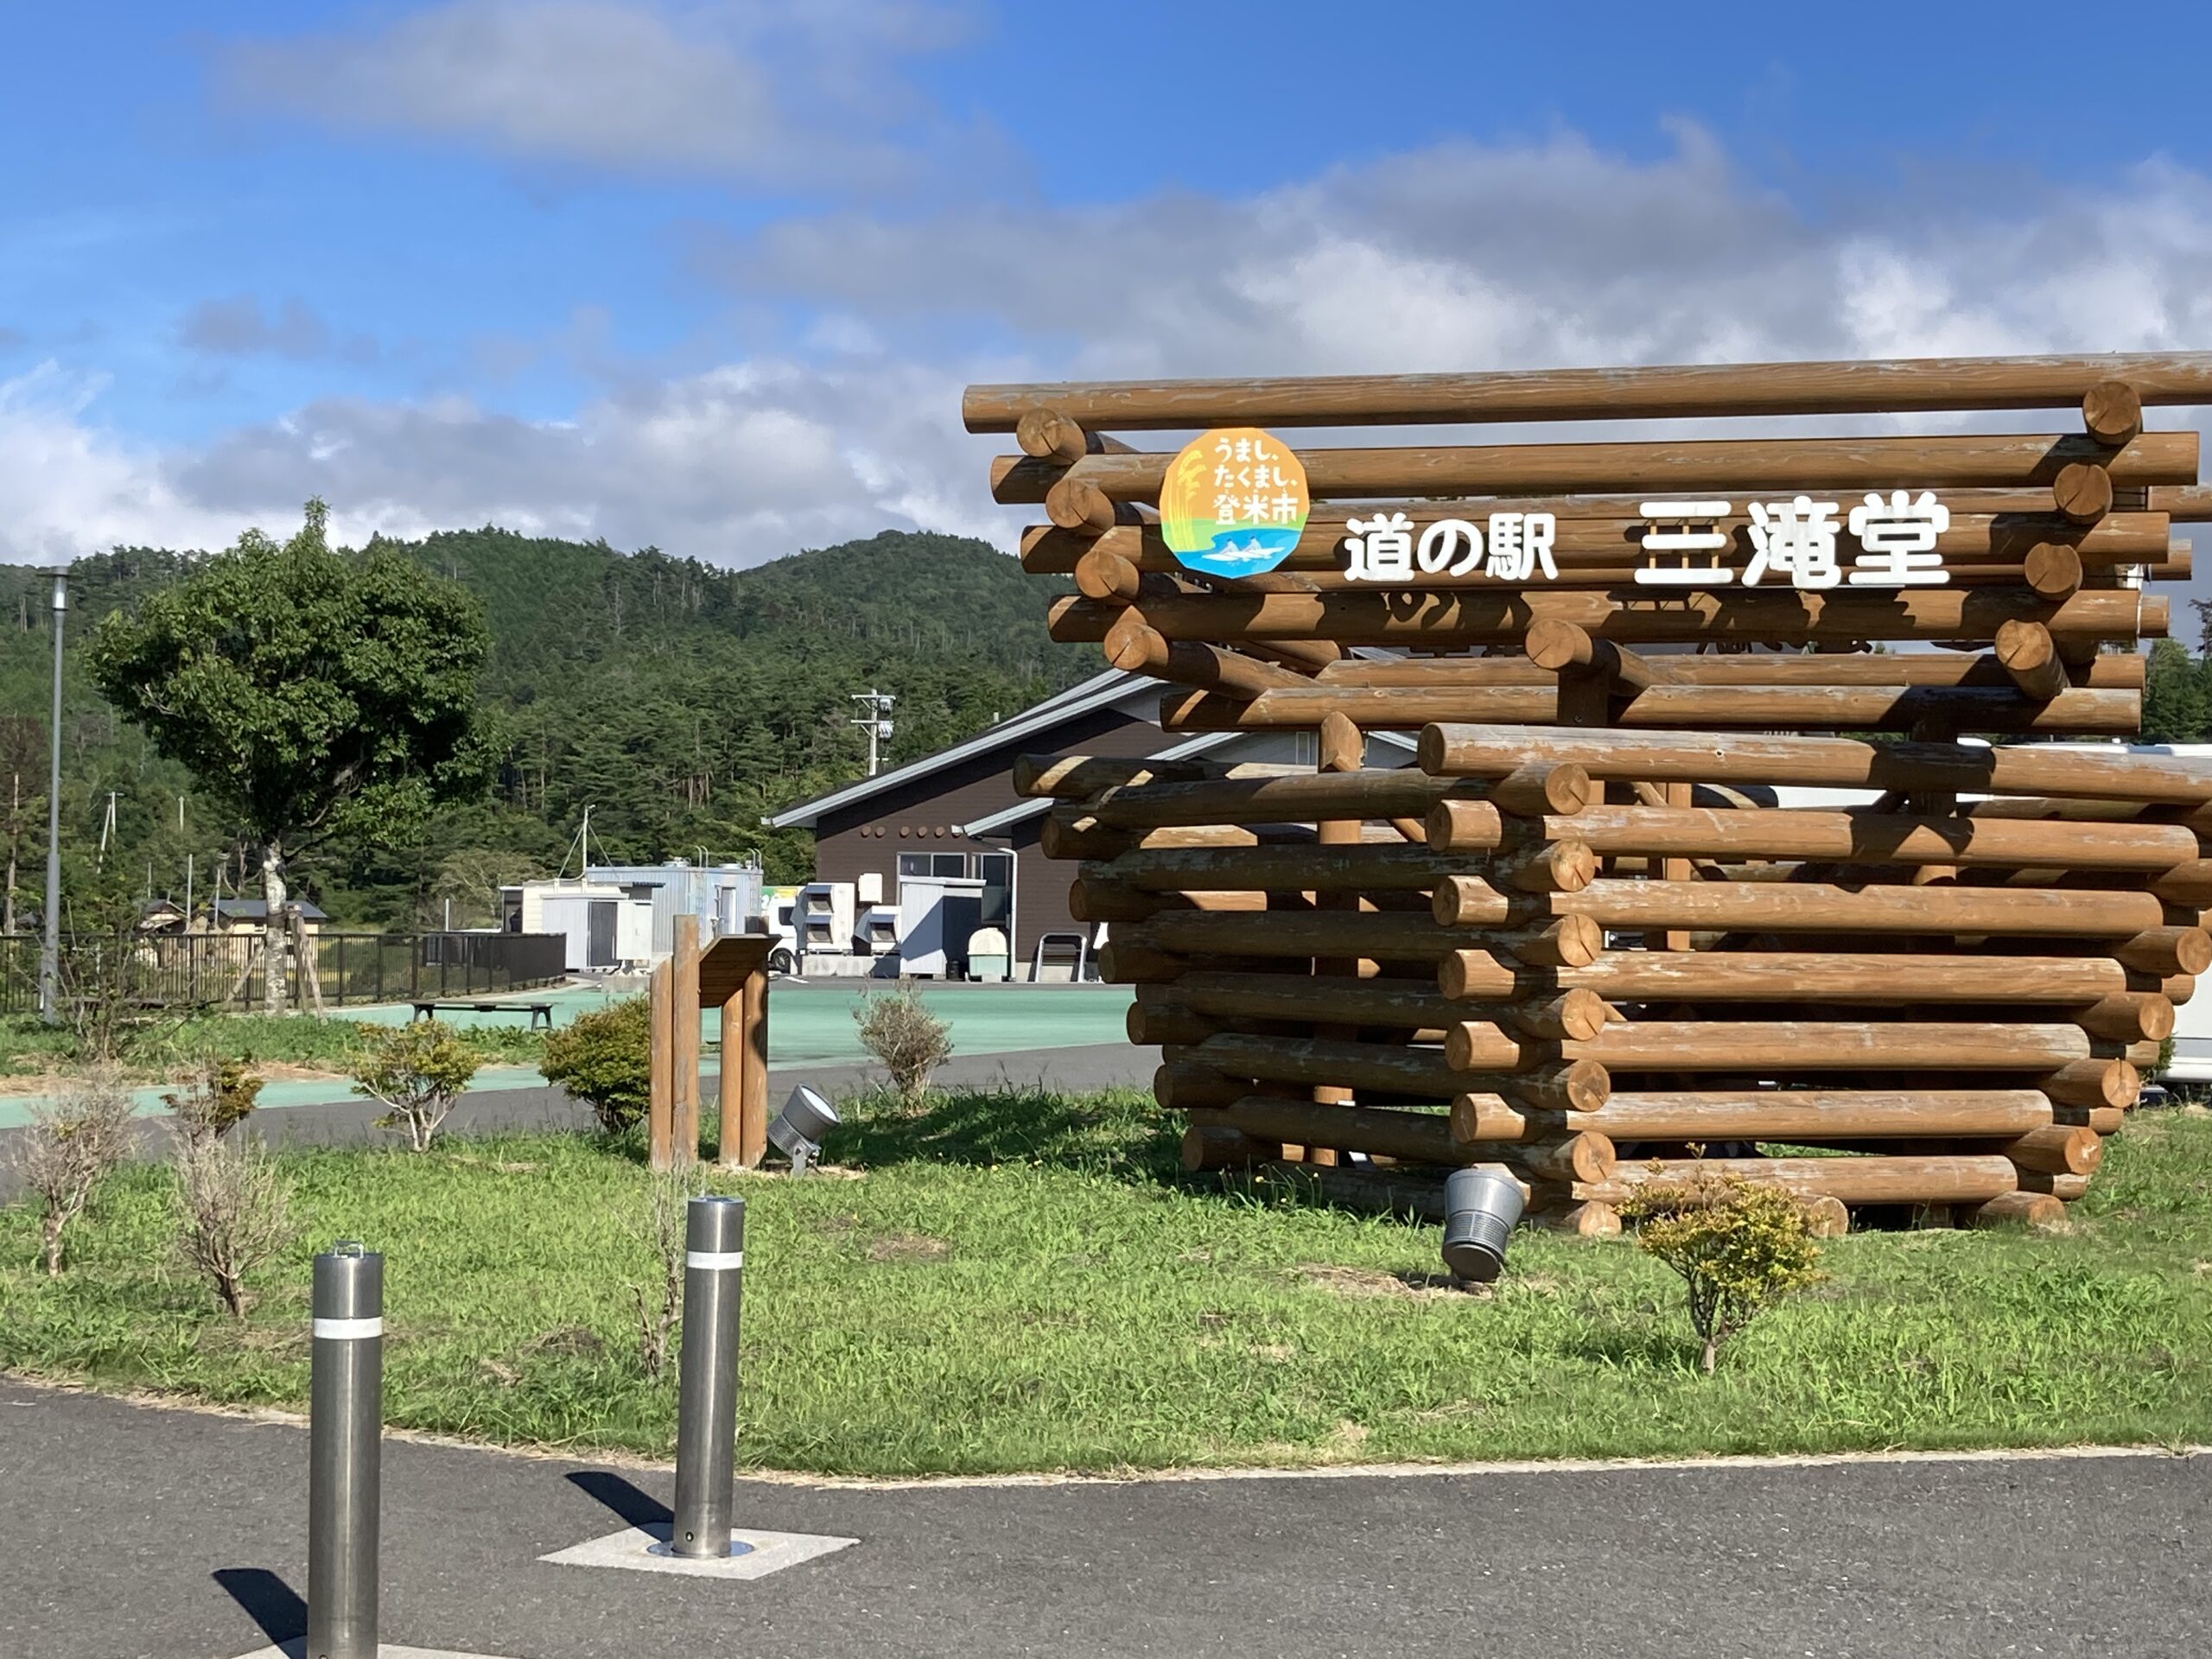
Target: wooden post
1340 747
660 1111
753 1098
683 1039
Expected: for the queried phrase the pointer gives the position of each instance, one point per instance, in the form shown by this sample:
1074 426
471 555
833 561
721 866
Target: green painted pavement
808 1025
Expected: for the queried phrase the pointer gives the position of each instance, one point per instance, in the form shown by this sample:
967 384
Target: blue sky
711 275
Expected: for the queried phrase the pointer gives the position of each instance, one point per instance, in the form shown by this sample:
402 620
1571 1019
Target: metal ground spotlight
1481 1204
799 1130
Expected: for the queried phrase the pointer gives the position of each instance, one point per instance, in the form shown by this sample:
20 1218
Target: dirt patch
1345 1437
907 1246
1365 1283
569 1342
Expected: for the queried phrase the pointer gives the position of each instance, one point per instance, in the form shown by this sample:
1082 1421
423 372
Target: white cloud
1474 258
735 465
786 96
68 488
1455 257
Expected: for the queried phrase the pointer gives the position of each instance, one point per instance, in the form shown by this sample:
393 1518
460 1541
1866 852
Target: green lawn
154 1049
1021 1282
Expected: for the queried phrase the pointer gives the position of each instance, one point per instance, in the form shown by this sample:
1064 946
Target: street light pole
50 955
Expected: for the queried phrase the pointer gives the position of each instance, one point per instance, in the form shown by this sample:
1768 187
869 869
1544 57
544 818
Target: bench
541 1014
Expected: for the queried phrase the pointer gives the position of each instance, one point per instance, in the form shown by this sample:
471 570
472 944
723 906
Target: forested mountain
679 700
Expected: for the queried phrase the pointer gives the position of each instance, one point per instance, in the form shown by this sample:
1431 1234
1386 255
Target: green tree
2176 709
315 695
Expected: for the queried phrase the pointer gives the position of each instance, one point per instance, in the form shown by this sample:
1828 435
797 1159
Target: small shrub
233 1212
1739 1246
908 1040
661 1226
67 1149
605 1059
220 1096
418 1070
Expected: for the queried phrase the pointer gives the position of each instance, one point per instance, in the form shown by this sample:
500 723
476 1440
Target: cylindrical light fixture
1481 1204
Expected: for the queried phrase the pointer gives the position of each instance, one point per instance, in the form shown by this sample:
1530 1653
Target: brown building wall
920 817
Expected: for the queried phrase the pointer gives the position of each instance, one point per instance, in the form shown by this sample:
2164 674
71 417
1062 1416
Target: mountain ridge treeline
681 701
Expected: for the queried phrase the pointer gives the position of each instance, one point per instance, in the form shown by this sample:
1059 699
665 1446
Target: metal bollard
706 1399
344 1453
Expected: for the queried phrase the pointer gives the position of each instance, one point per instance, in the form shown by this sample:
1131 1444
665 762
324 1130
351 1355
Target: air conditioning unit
825 919
879 929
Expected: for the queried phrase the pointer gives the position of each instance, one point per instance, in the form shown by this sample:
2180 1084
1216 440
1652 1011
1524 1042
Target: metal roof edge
1100 691
1005 816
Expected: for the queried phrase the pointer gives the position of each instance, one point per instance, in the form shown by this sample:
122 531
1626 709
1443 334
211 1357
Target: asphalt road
129 1531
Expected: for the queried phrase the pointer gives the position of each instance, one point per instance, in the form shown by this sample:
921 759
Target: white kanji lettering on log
1794 539
1449 547
1897 540
1686 528
1519 543
1381 548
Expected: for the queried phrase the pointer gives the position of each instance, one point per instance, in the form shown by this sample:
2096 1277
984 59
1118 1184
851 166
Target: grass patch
1023 1280
322 1042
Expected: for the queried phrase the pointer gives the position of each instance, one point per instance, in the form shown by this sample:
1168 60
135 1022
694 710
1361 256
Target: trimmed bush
1739 1246
606 1059
909 1041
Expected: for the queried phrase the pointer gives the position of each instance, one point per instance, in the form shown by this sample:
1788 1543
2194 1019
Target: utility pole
876 721
50 955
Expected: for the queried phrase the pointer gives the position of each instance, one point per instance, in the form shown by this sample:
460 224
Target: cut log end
2113 412
2083 492
1213 1145
1825 1216
1050 435
1343 746
2039 1212
1589 1219
1556 645
2053 569
1074 504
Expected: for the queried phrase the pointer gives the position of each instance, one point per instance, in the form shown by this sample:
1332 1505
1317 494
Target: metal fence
223 969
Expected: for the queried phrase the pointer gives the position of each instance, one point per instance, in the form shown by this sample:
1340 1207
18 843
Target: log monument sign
1611 920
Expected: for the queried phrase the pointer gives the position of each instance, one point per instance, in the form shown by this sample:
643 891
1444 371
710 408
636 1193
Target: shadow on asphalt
636 1507
267 1600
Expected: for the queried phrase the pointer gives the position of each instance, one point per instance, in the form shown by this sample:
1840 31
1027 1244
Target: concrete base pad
297 1649
753 1553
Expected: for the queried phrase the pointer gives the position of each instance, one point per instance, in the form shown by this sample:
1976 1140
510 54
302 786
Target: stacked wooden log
1581 938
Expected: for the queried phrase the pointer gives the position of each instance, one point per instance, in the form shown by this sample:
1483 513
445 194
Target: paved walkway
129 1531
810 1027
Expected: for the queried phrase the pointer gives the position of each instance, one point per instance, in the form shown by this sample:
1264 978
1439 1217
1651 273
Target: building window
934 864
